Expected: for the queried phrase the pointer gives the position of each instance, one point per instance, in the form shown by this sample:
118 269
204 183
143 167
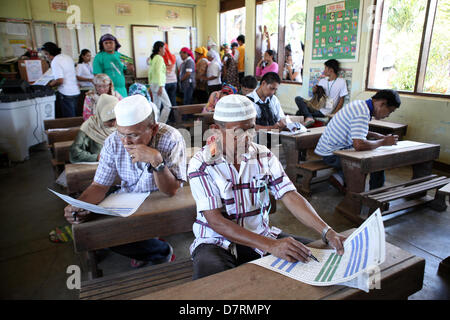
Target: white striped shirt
217 184
351 122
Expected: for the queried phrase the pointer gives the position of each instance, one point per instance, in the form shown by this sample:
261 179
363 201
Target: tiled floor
34 268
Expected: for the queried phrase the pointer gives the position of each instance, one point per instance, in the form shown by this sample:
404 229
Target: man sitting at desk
269 114
147 156
234 175
350 128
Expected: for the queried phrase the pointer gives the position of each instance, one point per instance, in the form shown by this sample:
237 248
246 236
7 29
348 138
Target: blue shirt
351 122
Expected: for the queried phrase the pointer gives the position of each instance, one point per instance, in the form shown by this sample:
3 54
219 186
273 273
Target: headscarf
101 78
216 57
106 37
139 88
104 111
202 51
188 51
228 89
169 58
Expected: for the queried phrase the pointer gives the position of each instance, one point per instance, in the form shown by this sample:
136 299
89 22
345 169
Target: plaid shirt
217 184
115 161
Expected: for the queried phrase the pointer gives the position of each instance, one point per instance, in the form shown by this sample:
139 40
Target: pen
74 215
312 257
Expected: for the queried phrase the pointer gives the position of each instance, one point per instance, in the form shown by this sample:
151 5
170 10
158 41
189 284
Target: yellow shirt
241 50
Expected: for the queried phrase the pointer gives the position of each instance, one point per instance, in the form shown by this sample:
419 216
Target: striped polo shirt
216 184
351 122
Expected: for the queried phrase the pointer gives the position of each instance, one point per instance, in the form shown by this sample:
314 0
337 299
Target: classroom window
280 26
410 47
232 24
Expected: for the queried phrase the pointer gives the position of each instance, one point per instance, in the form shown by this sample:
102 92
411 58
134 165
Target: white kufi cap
233 108
132 110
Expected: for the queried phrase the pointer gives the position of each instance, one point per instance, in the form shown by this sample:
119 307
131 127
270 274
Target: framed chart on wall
336 31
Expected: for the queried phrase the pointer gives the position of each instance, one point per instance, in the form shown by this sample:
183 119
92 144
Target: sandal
309 123
61 234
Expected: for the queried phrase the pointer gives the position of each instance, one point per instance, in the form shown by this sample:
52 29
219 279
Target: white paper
34 69
42 81
400 145
18 29
116 204
120 32
104 29
364 251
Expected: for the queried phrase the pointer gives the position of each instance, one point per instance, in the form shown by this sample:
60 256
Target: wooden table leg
291 153
421 170
90 264
355 182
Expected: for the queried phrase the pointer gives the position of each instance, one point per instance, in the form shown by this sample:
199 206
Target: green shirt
84 149
110 64
157 71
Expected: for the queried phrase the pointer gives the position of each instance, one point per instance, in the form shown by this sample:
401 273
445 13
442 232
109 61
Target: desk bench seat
308 170
135 283
383 197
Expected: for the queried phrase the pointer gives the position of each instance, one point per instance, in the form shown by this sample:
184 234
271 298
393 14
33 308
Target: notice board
337 31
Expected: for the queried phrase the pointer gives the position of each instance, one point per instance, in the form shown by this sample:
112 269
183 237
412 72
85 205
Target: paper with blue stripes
365 248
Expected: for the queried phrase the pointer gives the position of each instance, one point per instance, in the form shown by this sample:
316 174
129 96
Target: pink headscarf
188 51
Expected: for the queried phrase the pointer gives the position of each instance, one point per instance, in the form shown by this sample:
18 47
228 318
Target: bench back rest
63 123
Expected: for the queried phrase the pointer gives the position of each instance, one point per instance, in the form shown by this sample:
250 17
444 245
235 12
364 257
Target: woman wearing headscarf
108 61
171 75
94 131
102 85
214 71
201 85
157 81
187 75
215 96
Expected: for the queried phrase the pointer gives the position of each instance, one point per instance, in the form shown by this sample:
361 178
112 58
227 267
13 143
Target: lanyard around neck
328 85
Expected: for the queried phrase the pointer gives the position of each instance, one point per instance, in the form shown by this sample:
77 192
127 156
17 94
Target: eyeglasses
131 136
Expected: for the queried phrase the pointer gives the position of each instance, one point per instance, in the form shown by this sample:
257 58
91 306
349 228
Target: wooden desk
292 146
190 109
79 176
63 123
159 215
356 165
401 275
385 127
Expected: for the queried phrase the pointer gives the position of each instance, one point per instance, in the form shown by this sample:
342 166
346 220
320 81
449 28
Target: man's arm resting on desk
364 145
94 194
56 83
305 213
286 248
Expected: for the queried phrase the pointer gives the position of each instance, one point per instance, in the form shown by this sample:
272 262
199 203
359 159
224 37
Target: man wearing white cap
147 156
230 179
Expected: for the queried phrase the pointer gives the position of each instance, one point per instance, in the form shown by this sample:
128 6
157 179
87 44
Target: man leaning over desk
147 156
350 128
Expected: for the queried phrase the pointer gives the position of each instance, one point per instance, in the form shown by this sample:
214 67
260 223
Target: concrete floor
32 267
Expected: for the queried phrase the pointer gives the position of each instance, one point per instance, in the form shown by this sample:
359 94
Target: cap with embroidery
233 108
132 110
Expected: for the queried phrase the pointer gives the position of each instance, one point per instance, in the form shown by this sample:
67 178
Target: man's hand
160 91
336 240
390 140
80 216
290 249
143 153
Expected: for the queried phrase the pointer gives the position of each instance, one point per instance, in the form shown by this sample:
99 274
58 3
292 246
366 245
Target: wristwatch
160 167
324 234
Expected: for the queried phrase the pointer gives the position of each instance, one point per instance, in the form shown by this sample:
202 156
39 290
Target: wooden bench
63 123
308 170
79 176
385 197
186 110
401 275
132 284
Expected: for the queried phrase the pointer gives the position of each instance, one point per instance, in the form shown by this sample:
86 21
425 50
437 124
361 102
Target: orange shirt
241 58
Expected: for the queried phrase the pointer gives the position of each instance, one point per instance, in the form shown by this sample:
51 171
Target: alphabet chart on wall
365 248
